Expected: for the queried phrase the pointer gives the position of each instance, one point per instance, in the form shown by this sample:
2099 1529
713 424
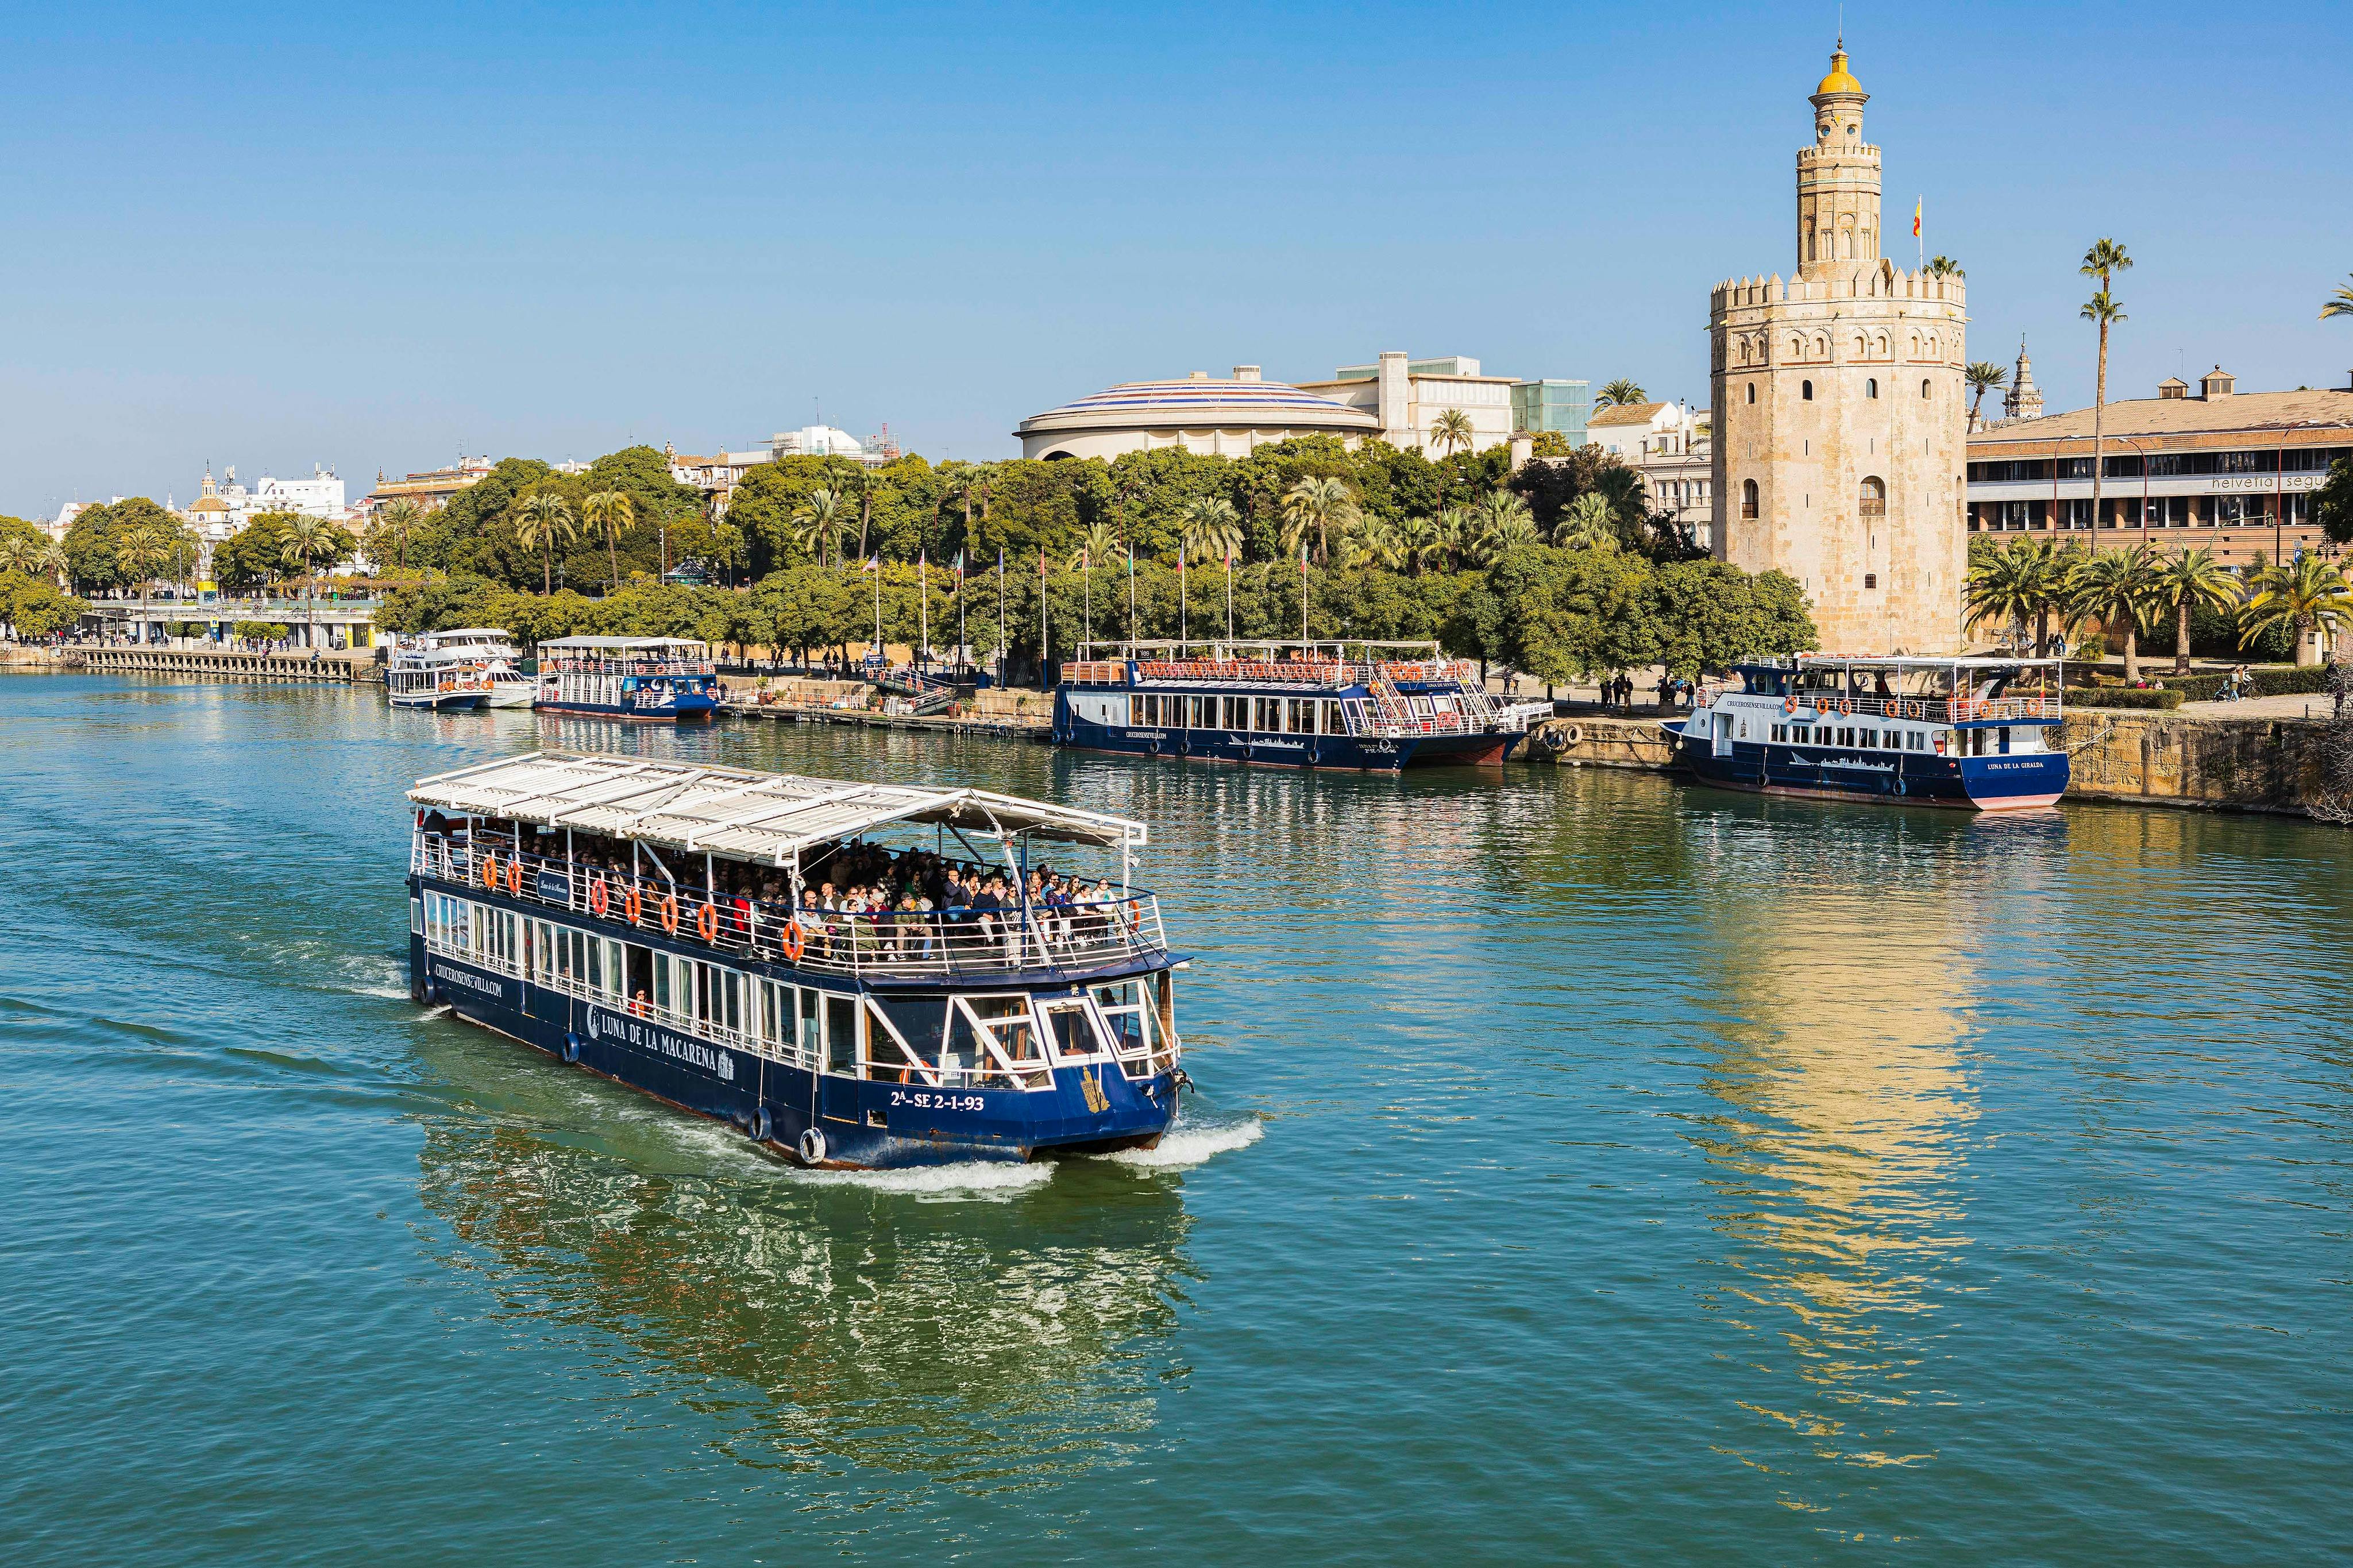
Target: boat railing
1285 673
626 667
944 944
2030 705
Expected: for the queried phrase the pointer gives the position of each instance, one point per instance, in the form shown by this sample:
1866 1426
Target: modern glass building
1561 406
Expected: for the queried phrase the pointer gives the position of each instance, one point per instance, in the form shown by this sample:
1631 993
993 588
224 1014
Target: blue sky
274 235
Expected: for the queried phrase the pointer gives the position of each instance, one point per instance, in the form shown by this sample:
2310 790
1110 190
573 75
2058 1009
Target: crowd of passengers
858 898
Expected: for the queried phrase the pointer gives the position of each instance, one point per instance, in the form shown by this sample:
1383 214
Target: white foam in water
983 1179
1186 1145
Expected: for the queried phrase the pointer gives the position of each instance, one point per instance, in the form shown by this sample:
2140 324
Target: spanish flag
1916 217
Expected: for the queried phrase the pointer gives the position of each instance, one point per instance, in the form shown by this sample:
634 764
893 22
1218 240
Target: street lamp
2143 452
2279 485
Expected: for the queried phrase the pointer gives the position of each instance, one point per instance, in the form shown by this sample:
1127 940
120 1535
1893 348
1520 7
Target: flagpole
1303 594
1001 617
1086 595
875 566
1183 611
1229 595
924 581
1041 617
1131 593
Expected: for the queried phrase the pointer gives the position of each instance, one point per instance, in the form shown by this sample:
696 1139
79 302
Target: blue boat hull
1993 782
866 1124
686 708
1341 752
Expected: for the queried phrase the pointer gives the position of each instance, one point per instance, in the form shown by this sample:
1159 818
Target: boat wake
1186 1145
987 1180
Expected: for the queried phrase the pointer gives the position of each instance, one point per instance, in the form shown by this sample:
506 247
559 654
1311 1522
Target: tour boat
629 677
440 678
847 1040
1373 706
1978 734
502 662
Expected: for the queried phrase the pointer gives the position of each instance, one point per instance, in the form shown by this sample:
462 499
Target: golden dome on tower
1841 80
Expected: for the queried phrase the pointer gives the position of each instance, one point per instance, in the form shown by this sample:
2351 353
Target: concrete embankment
2203 761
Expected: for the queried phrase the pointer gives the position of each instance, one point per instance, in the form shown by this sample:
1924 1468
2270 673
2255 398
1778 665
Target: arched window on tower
1870 387
1752 392
1874 500
1924 387
1806 390
1748 498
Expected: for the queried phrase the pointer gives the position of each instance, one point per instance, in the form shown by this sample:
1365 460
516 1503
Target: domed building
1222 418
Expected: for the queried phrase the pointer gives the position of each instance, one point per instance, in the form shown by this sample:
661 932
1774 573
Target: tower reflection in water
1842 979
984 1344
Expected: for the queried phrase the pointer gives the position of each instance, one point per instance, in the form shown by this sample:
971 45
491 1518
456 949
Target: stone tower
1841 411
2024 399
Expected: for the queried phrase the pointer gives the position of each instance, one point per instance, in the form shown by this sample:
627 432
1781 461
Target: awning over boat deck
736 811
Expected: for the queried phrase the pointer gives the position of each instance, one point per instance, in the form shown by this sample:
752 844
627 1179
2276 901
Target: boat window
1199 712
1237 713
1866 738
1074 1035
1126 1012
662 981
615 967
416 917
912 1026
1266 714
841 1033
1006 1034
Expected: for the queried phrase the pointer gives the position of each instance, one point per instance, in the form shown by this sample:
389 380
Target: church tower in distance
1841 411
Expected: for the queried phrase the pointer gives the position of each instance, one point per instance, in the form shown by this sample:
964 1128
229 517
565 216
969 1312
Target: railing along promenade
231 664
900 944
1926 709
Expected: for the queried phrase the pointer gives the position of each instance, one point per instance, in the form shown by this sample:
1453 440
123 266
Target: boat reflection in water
1839 1051
816 1317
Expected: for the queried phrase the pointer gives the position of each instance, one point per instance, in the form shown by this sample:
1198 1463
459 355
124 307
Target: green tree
1211 528
143 550
1944 266
1505 524
2103 261
818 526
2119 588
2013 584
2340 303
610 513
1983 376
2187 581
394 527
1621 393
32 607
310 541
2305 596
1320 509
1588 523
2332 503
541 519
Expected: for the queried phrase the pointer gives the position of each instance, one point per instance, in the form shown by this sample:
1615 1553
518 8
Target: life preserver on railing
599 900
812 1147
1789 703
670 913
791 941
706 922
632 905
490 871
1846 705
514 877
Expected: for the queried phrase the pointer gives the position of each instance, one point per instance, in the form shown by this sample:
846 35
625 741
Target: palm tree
1452 431
2119 587
1458 533
1505 523
609 512
2306 597
1621 393
1210 529
818 525
540 519
143 552
1984 376
309 540
1420 540
2339 303
1380 542
1588 523
398 520
2013 584
1944 266
19 552
2185 581
1323 508
2103 261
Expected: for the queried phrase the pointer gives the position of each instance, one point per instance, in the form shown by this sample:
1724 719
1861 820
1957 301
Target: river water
1585 1168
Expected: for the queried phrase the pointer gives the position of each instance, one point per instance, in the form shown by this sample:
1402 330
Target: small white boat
502 662
438 679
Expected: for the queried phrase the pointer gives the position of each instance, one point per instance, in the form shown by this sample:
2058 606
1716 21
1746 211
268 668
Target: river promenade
1584 1167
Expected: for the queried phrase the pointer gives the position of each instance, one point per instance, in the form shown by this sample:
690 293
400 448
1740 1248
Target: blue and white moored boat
660 678
1978 734
1372 706
633 917
421 675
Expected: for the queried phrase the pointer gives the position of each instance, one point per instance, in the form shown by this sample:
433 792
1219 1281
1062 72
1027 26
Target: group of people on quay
861 903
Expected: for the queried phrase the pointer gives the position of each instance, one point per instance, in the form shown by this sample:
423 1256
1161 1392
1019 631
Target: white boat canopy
738 813
607 644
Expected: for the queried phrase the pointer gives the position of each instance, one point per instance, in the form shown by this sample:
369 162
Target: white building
1220 418
1407 397
1667 444
823 441
717 474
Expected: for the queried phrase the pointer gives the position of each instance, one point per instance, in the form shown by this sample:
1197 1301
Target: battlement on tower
1888 283
1809 156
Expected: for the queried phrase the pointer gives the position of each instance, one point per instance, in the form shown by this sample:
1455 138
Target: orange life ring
791 941
1789 703
491 872
1846 705
706 921
632 905
670 913
514 877
599 900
